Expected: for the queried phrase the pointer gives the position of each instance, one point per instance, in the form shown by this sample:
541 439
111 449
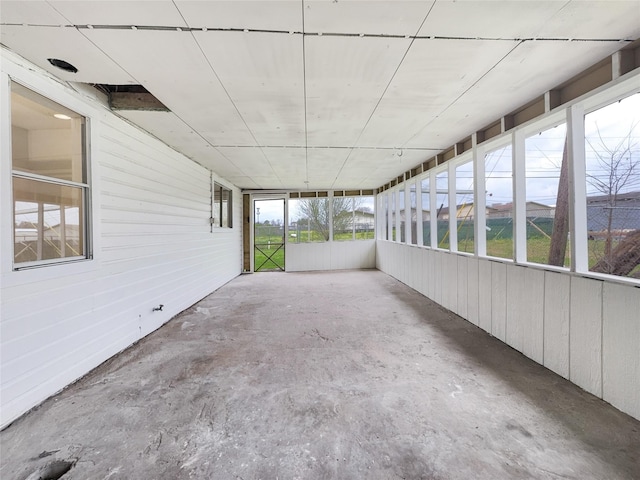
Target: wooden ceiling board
506 19
525 74
432 75
368 17
266 183
162 13
172 67
175 133
243 182
370 168
250 161
284 15
345 79
35 12
324 165
605 19
290 164
230 92
66 43
263 75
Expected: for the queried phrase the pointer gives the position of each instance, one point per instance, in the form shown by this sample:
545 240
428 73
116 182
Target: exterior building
621 215
534 209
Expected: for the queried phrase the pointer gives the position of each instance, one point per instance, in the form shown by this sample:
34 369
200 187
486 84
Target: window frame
217 207
86 234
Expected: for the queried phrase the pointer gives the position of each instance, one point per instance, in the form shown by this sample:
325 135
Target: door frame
252 202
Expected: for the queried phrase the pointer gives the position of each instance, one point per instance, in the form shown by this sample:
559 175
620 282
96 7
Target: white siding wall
300 257
153 245
584 329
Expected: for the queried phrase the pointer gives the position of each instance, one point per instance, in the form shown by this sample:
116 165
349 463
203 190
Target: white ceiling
320 94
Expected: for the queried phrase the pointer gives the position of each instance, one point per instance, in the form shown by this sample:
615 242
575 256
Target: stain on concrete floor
342 375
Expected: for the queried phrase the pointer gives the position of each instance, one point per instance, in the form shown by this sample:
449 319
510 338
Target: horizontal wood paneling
153 245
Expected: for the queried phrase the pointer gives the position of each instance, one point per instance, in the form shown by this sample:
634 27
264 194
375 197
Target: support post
577 189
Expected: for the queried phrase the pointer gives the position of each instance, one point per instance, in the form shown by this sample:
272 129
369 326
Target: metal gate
268 235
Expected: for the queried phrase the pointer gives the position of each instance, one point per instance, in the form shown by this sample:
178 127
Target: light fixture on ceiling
63 65
62 116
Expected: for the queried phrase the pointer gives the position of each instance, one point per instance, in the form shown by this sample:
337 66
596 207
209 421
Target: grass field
276 262
537 249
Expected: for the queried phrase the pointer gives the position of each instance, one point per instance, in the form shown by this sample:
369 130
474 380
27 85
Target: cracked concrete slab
345 375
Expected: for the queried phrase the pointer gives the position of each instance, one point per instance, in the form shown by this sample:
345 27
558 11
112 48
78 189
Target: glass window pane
403 214
308 220
46 138
222 206
217 205
343 218
442 209
464 207
414 214
364 218
226 208
353 218
386 216
48 221
393 196
543 161
612 148
499 201
426 211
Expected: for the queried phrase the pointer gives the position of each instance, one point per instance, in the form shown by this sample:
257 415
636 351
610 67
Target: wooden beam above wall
135 101
130 97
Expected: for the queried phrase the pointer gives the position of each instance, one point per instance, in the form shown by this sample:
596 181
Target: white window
50 181
499 202
309 219
222 207
612 146
353 218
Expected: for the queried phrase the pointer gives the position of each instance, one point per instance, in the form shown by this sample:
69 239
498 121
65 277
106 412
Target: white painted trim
519 197
433 208
407 213
453 207
330 200
391 205
577 189
479 198
419 229
6 204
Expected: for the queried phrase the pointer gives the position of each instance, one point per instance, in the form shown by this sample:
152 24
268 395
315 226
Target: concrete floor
346 375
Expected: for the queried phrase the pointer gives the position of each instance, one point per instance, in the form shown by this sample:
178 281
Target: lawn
276 262
265 247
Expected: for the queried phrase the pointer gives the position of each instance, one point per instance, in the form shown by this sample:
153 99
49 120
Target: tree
623 259
560 232
316 212
617 170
